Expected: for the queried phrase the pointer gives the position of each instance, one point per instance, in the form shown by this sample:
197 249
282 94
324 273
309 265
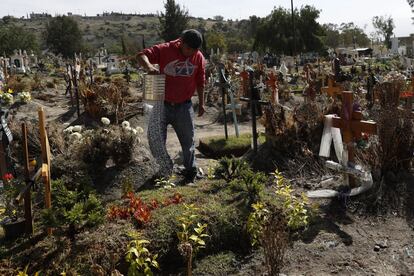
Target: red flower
8 176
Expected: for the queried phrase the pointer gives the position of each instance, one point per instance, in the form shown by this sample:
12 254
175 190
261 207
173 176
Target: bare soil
340 242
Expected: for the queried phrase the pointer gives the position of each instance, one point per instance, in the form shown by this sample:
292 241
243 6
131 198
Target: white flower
128 128
105 121
125 124
68 130
75 136
134 131
77 128
140 130
25 97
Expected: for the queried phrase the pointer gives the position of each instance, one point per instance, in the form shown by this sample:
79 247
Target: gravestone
17 62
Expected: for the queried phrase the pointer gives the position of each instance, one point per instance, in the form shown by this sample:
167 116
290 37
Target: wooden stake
44 143
28 215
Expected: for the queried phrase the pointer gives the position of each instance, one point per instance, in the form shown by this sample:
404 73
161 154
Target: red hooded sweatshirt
183 75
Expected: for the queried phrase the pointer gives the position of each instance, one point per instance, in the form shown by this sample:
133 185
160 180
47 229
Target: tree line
279 32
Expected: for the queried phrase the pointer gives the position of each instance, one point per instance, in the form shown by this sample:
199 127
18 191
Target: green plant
230 168
255 221
211 171
251 184
166 183
267 227
13 210
192 234
24 272
139 257
73 209
294 207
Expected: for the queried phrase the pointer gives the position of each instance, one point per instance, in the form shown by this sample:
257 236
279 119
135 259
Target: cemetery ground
110 178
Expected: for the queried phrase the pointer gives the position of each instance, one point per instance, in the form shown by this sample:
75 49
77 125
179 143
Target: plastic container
154 88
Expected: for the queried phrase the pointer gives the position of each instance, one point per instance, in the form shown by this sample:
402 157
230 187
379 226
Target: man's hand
152 70
201 110
144 62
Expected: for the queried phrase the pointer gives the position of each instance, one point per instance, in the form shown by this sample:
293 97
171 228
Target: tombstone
283 69
255 56
394 45
17 62
112 65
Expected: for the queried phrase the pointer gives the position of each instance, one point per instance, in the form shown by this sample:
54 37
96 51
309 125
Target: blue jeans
181 118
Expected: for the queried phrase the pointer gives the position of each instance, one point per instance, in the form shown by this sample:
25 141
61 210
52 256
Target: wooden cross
352 127
245 83
408 96
44 143
331 89
272 84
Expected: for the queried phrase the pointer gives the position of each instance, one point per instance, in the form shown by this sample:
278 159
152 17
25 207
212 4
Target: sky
332 11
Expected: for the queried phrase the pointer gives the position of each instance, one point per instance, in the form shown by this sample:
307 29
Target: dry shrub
105 100
395 128
17 84
55 135
275 240
36 84
50 84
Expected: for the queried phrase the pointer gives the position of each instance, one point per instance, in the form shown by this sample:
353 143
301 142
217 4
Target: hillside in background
109 31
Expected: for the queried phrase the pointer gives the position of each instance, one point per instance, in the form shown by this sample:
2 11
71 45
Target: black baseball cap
192 38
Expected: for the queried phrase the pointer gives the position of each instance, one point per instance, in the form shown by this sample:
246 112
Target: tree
385 27
63 36
352 35
174 21
411 3
15 37
275 32
332 35
215 40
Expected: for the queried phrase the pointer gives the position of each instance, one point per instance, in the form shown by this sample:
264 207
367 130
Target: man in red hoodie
184 67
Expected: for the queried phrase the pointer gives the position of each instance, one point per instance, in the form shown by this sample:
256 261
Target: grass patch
222 263
218 146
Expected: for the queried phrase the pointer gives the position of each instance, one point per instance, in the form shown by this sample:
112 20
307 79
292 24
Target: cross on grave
352 127
332 90
226 89
408 96
245 83
310 92
255 104
272 84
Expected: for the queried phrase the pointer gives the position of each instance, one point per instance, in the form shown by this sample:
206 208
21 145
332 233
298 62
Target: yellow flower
10 91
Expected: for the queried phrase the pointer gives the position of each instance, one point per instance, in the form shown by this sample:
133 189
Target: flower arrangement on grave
24 97
96 146
7 98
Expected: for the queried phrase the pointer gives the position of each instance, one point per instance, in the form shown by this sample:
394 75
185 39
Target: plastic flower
25 97
7 98
8 176
77 128
128 128
105 121
76 136
125 124
68 130
140 130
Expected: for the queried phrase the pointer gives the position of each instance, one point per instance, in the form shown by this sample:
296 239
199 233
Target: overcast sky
332 11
